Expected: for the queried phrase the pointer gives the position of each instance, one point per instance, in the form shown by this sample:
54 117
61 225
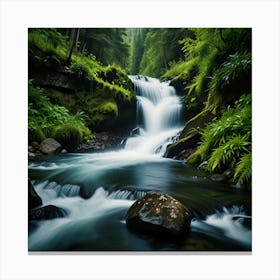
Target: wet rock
203 165
34 199
229 173
104 140
185 153
31 156
46 213
35 145
50 146
219 177
159 214
35 156
176 149
31 149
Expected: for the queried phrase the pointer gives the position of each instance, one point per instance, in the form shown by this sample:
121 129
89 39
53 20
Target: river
96 189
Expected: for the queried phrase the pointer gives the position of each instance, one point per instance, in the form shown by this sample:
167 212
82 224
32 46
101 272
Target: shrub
48 120
226 142
243 171
70 136
231 76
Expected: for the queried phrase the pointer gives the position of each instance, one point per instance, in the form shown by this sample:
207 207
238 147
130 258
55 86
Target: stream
96 189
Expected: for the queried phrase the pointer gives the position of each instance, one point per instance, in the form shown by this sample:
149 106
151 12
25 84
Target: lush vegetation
48 120
226 143
153 50
76 84
83 83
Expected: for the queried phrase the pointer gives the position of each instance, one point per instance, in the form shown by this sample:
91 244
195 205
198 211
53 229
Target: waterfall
158 116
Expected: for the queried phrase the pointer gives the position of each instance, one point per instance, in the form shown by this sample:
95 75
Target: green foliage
232 122
227 76
217 66
243 171
227 154
46 119
107 44
160 48
48 41
71 134
225 141
101 110
137 36
79 70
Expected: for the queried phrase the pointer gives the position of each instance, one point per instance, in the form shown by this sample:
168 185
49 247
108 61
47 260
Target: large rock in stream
159 214
47 212
50 146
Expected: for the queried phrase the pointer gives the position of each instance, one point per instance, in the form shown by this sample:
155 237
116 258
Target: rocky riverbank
104 140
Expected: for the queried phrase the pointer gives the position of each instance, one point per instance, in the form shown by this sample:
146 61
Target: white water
81 213
84 214
158 114
228 223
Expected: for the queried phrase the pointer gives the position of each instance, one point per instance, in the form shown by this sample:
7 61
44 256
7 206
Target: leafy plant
70 135
228 77
243 171
227 154
48 120
225 141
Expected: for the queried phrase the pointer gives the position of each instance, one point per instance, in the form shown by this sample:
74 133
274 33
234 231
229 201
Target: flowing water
96 189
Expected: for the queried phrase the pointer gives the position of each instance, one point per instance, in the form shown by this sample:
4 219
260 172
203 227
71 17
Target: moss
194 158
70 135
102 111
102 92
197 122
35 135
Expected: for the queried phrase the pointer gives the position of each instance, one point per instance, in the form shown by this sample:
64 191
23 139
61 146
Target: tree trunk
73 43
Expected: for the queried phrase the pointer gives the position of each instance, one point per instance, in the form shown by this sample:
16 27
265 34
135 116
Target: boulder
176 149
46 213
50 146
197 122
34 199
159 214
219 178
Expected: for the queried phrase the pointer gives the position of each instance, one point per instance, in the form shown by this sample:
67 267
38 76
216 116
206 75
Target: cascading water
158 115
96 189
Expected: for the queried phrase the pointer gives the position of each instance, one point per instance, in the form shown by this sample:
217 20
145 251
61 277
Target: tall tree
74 38
137 38
106 44
161 47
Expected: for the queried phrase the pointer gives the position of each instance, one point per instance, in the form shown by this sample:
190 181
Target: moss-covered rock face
105 104
104 93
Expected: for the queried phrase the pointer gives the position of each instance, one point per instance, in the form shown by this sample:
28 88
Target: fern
230 73
228 153
243 171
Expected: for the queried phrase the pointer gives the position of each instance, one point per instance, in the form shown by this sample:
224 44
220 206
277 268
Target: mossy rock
69 136
197 122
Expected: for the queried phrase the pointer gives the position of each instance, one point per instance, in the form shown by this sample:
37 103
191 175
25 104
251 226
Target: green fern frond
243 171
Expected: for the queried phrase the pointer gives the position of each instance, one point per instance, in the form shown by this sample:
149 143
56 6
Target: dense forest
79 86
